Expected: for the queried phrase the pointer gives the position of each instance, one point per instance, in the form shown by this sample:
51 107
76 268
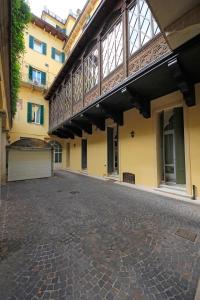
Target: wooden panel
113 79
91 96
150 53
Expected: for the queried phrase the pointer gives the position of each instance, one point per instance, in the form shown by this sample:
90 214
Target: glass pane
37 46
77 85
133 29
145 22
91 70
119 44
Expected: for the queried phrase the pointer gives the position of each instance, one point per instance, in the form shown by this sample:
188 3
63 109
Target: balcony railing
35 83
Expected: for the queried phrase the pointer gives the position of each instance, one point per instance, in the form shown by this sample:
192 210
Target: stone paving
74 237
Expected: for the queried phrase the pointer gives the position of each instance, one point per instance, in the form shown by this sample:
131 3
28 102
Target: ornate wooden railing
113 58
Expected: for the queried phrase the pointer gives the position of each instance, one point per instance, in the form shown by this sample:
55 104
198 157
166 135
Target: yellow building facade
158 152
43 58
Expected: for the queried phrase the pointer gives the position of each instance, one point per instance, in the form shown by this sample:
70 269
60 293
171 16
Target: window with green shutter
43 78
42 114
44 48
30 73
29 112
63 57
31 41
53 52
35 113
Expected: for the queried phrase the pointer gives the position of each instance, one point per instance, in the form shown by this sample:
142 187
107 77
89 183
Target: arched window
57 151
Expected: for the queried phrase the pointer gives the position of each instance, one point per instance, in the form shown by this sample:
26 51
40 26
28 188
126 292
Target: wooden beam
87 127
182 82
138 101
117 116
64 133
74 130
98 122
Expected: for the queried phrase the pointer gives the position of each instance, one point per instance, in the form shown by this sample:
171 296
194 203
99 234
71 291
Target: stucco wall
140 155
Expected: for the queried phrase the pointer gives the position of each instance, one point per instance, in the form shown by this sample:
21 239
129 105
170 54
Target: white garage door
28 164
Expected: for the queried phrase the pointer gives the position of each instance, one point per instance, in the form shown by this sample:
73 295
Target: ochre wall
140 155
136 154
21 128
97 153
38 60
75 154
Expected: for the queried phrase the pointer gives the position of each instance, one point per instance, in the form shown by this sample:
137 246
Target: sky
59 7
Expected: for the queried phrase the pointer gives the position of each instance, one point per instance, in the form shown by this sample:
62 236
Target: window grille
142 26
77 85
91 70
112 49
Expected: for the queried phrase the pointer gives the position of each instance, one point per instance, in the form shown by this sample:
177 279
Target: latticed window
68 96
78 85
142 25
91 70
112 49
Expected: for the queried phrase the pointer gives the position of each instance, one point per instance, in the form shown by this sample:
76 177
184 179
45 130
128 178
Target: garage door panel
26 164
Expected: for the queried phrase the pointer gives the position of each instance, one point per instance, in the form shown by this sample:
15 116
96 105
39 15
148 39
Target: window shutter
42 114
30 73
63 57
44 48
53 51
43 78
29 113
31 41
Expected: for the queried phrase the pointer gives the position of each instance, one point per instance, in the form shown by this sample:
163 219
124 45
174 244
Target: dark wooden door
84 154
110 152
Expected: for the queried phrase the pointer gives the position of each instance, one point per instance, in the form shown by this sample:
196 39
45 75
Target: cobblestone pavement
74 237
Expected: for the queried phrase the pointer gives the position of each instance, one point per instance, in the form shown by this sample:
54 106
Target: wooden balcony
80 99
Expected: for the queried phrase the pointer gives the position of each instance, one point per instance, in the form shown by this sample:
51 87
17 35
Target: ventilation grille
129 177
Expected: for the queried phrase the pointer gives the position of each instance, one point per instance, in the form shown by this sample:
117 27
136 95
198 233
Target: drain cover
186 234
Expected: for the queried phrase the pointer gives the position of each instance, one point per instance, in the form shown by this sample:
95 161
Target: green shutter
29 113
43 78
44 48
63 57
53 51
42 114
30 73
31 41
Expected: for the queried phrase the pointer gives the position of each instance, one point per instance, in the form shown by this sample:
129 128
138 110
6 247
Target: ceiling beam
87 127
182 82
117 116
74 130
64 133
98 122
138 101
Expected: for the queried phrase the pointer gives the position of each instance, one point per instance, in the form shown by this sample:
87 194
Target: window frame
36 117
153 21
37 72
57 151
118 20
41 46
94 48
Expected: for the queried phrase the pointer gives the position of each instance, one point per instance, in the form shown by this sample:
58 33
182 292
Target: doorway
172 146
113 151
84 154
